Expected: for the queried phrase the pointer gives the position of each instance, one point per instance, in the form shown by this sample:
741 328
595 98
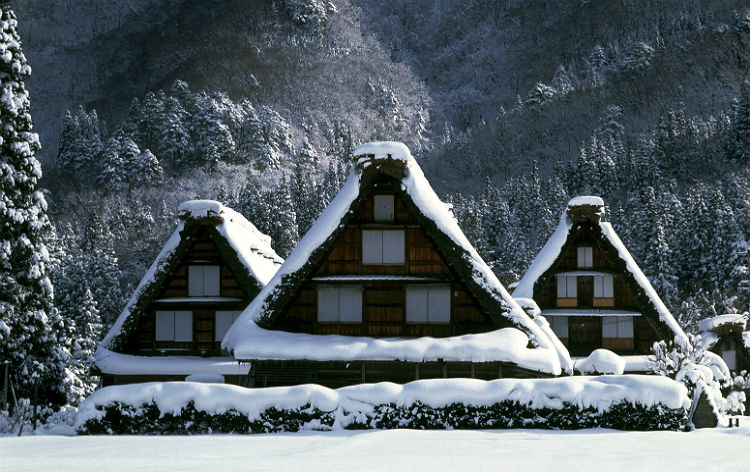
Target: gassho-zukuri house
587 285
386 287
208 271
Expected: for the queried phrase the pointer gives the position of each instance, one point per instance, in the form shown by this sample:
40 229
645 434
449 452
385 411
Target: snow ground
523 450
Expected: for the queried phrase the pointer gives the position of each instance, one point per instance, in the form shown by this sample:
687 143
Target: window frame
430 298
194 269
624 327
352 288
585 254
174 325
234 314
400 257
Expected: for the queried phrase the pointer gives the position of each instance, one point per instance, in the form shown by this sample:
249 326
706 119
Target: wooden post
363 372
416 371
473 373
445 370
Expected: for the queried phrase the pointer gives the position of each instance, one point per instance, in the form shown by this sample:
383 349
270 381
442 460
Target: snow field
727 450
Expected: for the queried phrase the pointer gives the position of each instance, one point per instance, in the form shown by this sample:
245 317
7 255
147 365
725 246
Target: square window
204 281
603 286
585 256
384 208
340 303
567 286
617 327
223 321
174 326
383 247
428 303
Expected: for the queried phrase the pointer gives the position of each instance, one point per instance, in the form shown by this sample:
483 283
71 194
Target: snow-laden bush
621 402
700 370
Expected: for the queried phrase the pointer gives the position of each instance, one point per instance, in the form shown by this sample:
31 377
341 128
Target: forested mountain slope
511 107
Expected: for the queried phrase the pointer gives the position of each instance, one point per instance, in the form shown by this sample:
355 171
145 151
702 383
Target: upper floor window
340 303
174 326
567 286
604 286
585 256
428 303
204 281
223 321
384 208
382 246
617 327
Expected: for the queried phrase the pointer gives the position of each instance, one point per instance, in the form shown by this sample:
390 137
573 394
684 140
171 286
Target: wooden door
585 334
585 291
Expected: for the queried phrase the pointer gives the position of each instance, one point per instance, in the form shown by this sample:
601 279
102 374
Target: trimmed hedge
119 418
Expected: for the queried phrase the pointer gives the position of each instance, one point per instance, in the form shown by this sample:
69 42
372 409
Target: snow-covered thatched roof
591 208
245 249
521 341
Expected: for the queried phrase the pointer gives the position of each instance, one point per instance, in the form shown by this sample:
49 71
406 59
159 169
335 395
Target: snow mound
200 208
709 324
384 150
591 200
601 361
205 378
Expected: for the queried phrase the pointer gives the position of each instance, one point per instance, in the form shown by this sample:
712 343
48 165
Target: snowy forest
509 110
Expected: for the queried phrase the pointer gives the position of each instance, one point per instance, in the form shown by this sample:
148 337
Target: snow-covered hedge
630 402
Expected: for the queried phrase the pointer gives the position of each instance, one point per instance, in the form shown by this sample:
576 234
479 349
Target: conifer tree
30 329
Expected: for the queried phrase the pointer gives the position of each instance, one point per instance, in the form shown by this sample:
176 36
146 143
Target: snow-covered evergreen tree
80 144
30 329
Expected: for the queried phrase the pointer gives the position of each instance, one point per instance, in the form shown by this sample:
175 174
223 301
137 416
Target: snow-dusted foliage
30 328
622 402
701 371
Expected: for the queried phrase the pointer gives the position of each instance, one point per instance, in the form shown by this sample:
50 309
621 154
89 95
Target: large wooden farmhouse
591 290
209 270
386 287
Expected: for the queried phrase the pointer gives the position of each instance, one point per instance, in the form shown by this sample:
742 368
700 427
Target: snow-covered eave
149 278
416 186
504 345
544 260
115 363
640 278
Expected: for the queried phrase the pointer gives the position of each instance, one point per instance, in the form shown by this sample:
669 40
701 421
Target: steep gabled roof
246 250
248 339
542 268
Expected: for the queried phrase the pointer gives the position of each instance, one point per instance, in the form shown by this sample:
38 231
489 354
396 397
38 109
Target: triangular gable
543 267
247 252
434 216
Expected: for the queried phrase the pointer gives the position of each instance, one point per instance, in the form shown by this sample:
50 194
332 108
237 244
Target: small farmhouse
591 290
208 271
386 287
726 336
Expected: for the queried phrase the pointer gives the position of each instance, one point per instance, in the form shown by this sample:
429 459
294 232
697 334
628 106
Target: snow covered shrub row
631 402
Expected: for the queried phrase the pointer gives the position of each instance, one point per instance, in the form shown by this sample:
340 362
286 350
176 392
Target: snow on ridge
581 200
148 278
583 391
384 149
505 345
544 260
200 208
714 322
664 314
